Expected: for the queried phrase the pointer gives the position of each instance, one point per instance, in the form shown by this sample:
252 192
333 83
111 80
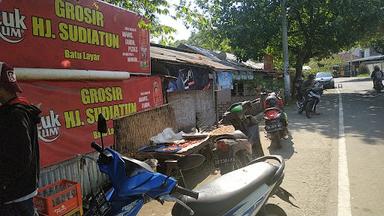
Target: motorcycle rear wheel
275 140
242 159
272 210
226 169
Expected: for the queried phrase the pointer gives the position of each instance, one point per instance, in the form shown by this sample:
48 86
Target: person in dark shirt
19 149
377 77
308 84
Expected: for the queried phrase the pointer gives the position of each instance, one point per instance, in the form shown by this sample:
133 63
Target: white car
326 79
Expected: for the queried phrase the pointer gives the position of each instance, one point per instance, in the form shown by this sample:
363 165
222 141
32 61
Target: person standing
377 77
19 148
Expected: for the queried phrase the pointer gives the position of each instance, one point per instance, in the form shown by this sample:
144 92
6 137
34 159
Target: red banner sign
76 34
70 111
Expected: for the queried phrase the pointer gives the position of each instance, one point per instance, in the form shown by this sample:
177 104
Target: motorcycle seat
237 134
226 192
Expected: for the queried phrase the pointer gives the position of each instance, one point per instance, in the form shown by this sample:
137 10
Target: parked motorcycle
313 98
241 192
235 150
276 124
312 95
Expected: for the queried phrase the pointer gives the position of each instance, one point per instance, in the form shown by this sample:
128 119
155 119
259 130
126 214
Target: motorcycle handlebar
186 192
96 147
255 101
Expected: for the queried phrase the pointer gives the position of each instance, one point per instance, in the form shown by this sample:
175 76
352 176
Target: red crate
58 198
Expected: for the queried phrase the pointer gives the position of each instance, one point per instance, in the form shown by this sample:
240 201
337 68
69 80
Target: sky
182 33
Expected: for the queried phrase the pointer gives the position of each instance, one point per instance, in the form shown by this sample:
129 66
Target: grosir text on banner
70 111
72 34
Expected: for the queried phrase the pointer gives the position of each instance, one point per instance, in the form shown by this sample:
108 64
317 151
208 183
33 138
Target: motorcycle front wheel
308 109
299 107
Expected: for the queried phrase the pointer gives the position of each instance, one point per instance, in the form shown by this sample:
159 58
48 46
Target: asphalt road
312 155
317 168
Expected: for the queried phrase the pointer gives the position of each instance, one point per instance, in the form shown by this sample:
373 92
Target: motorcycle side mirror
225 118
101 127
101 124
190 161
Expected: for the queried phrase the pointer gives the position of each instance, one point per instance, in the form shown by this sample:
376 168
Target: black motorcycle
313 98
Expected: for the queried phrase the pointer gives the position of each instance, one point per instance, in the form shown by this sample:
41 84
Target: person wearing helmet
377 78
377 75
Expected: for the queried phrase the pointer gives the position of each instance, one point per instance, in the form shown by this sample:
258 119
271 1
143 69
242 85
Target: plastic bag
167 136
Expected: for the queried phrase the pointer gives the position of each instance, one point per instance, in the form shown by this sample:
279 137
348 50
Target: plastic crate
75 212
59 198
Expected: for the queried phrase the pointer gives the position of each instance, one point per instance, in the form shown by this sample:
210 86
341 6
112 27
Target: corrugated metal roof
249 63
217 57
370 58
187 58
254 65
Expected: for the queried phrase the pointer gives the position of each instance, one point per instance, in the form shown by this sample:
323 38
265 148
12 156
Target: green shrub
363 69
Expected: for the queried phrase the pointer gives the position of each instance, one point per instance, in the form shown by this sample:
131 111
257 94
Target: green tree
317 28
376 42
206 39
325 64
150 11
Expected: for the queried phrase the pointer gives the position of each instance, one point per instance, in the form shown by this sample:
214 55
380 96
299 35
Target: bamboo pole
67 74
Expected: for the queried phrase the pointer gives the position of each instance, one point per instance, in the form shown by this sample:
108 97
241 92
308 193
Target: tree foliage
150 10
317 28
325 64
207 39
376 41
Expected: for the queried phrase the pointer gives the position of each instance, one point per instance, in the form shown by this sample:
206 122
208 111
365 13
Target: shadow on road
286 151
363 116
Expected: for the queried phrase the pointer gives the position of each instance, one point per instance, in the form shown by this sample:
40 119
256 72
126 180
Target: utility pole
287 85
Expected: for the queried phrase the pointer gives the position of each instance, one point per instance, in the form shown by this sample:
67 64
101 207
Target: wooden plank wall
134 131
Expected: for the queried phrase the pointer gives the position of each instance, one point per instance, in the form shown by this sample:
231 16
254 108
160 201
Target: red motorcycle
276 121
